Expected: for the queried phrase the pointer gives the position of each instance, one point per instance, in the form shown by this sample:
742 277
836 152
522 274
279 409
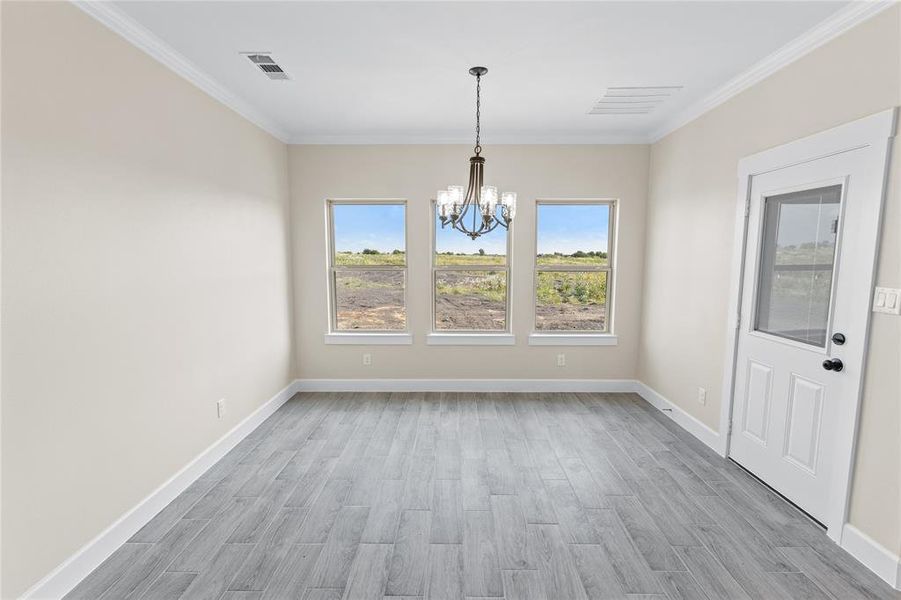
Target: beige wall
414 173
145 276
691 212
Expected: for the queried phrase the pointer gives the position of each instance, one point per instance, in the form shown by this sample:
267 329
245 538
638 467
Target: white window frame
363 336
577 337
469 337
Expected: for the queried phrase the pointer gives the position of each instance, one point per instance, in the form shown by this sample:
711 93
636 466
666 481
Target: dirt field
571 317
374 300
370 300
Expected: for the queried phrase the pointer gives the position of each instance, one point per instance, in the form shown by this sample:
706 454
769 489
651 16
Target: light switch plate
887 300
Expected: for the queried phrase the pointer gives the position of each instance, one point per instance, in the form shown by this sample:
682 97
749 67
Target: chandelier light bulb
443 202
508 201
488 200
456 195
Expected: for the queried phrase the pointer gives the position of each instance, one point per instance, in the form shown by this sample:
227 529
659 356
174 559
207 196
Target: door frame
872 134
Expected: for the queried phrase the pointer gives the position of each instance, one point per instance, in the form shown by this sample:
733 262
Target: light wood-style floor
521 496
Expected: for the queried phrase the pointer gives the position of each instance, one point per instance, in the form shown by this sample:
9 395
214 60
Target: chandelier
475 212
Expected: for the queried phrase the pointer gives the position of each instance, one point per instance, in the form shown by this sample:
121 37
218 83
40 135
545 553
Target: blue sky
451 240
567 228
562 228
376 226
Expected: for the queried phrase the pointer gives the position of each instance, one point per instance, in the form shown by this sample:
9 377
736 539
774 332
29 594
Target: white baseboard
689 423
67 575
467 385
874 556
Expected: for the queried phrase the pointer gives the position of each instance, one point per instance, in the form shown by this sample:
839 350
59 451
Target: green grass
571 288
490 286
561 259
451 260
359 259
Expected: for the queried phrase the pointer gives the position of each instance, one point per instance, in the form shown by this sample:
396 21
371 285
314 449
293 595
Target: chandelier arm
494 224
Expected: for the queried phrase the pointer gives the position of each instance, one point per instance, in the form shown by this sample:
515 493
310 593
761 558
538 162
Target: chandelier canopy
476 212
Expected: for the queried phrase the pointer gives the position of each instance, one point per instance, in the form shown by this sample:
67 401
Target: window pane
370 300
453 247
571 301
475 300
795 286
573 234
369 234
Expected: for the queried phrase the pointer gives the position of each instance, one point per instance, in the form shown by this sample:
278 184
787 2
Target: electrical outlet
367 359
220 408
702 395
561 360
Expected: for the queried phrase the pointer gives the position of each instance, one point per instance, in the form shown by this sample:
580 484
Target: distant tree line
373 251
580 254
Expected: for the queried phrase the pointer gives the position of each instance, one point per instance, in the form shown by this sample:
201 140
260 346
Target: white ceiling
394 72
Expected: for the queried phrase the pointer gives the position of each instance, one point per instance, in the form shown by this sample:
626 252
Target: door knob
833 364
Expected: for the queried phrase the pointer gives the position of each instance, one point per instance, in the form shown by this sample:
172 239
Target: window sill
572 339
470 339
370 339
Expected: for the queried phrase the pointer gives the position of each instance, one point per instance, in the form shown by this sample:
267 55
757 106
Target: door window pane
796 264
571 301
471 300
369 300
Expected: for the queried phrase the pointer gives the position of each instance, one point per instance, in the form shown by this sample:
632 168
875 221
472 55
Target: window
573 266
794 290
367 265
470 281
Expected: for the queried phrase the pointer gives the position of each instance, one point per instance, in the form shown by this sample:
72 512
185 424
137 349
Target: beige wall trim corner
837 24
141 37
78 566
695 427
872 555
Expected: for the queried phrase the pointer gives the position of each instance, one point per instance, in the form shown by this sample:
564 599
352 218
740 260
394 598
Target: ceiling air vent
633 100
265 63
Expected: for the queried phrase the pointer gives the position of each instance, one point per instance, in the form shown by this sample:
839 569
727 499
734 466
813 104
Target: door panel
757 407
805 405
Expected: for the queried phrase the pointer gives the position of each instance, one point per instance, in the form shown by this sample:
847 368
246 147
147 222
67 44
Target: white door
810 237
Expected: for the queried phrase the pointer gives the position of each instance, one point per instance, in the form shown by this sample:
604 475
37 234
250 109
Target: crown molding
141 37
837 24
450 139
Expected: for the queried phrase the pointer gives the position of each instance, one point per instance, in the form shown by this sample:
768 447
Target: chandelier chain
478 147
